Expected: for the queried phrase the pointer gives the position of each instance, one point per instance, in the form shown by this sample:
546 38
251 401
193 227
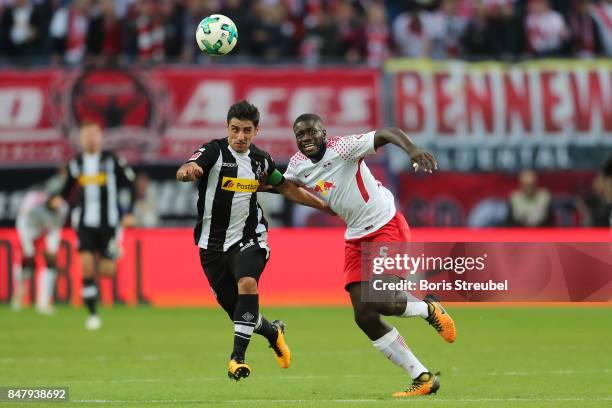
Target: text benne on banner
492 116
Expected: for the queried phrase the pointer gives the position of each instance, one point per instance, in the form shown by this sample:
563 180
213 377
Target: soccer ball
216 35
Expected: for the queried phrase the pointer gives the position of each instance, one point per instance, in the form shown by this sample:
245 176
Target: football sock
264 328
245 318
90 294
18 287
393 346
46 287
415 307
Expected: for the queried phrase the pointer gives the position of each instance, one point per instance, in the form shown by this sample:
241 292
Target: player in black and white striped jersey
100 176
231 179
232 231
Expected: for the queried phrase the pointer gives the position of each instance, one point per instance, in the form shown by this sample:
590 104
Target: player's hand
189 172
128 221
263 187
262 182
423 160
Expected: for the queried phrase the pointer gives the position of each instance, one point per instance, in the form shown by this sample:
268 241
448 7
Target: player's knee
366 318
228 303
50 260
247 286
107 268
386 308
87 264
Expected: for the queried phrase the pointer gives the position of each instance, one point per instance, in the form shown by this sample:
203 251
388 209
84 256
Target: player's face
310 137
240 134
529 182
91 139
55 203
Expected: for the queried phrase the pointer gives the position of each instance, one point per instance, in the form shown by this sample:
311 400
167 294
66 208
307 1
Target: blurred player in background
99 176
334 169
232 231
41 215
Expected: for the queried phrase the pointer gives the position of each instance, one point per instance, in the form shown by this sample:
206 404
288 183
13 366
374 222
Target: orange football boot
283 354
440 319
425 384
238 370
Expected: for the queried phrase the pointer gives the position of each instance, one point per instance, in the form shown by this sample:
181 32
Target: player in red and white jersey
41 215
333 168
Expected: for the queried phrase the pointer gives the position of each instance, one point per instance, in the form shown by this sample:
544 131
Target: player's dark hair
308 117
244 110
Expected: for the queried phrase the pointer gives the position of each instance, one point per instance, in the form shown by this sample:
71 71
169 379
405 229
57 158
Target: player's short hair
308 117
244 110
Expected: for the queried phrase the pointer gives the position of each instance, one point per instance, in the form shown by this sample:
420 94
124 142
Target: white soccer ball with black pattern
216 34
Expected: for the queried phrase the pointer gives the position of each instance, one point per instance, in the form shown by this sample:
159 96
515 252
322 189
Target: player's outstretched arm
396 136
189 172
301 196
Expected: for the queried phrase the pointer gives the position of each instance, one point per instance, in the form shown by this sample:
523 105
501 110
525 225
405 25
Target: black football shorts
246 258
101 240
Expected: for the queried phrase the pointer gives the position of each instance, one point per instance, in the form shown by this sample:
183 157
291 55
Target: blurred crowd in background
104 32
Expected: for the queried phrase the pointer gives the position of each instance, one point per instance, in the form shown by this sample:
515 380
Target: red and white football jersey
345 183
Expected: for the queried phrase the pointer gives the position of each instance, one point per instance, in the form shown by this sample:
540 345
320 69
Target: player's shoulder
257 151
212 147
339 144
209 150
35 196
350 147
298 159
353 137
214 144
333 141
77 158
32 199
107 153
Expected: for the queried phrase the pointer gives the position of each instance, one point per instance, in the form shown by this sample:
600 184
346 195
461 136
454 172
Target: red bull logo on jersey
323 187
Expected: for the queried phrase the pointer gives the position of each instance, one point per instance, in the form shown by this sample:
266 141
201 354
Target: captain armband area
275 178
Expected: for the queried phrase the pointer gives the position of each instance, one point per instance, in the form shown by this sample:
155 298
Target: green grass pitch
146 357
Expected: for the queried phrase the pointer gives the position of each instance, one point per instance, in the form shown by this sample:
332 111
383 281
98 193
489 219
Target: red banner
165 113
161 266
492 102
489 116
